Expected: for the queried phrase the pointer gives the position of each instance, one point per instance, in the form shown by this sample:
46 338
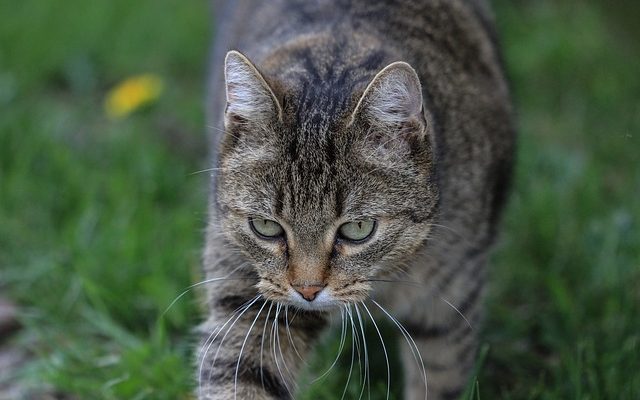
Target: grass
100 220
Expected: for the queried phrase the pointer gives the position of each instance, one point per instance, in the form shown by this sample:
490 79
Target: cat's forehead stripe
322 88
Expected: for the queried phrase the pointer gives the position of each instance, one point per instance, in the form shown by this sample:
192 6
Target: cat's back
465 26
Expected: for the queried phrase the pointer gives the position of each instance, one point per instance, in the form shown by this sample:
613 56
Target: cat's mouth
321 301
319 298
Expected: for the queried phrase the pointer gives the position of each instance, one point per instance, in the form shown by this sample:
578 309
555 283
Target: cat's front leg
448 359
252 349
445 335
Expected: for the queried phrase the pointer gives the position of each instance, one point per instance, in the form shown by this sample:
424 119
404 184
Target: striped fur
333 111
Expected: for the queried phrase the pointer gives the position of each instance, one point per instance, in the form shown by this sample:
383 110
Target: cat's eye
357 231
266 227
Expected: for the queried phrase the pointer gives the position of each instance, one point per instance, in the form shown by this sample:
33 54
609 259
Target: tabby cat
362 152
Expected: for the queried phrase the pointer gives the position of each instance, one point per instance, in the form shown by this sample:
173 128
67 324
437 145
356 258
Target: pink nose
310 292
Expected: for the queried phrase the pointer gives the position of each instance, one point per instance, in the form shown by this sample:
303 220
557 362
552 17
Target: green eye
266 227
357 231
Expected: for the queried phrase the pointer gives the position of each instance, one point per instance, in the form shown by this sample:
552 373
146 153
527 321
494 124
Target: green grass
100 220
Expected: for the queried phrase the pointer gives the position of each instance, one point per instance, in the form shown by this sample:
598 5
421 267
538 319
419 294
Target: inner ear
249 96
392 100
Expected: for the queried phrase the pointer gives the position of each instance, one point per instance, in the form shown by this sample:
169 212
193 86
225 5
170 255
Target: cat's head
323 205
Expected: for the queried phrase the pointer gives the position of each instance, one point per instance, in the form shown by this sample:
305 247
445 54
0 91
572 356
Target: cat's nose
308 292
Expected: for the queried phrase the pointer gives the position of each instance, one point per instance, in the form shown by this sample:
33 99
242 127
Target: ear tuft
393 98
249 97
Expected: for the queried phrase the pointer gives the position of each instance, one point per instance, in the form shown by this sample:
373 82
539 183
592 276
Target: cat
362 153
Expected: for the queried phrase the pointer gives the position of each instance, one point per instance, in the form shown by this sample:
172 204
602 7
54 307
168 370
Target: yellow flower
131 94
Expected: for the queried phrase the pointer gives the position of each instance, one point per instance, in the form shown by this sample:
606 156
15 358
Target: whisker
343 335
366 355
274 327
346 385
204 170
218 129
284 362
295 314
354 331
264 332
217 329
458 311
384 348
234 171
211 280
295 349
235 381
215 357
206 350
209 342
412 344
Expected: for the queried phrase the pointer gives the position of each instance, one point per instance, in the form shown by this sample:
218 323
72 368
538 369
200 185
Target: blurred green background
101 219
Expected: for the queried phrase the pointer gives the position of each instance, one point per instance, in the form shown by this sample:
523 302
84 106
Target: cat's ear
249 97
393 101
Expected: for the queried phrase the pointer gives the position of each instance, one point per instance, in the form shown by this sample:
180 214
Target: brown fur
393 111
